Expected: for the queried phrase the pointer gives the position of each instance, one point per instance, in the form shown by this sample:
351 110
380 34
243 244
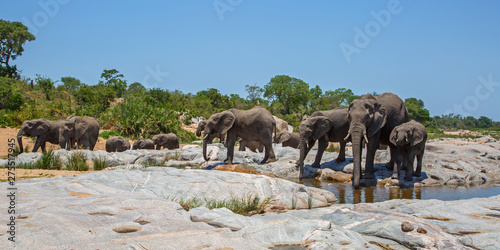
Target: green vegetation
13 36
108 133
49 160
248 205
100 163
77 161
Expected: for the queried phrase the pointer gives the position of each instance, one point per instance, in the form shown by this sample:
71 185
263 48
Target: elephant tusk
205 137
347 137
366 138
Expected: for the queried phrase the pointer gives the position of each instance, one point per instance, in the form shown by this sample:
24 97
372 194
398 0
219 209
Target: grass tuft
248 205
100 163
49 161
77 161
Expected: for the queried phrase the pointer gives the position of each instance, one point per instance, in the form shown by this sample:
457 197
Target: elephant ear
417 136
80 129
323 125
285 136
226 122
378 120
41 127
394 136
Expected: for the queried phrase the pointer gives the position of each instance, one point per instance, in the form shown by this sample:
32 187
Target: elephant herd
369 120
83 132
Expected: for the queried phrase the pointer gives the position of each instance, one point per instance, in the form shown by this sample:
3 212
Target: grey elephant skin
409 139
288 139
169 141
55 132
256 124
117 144
86 132
372 119
254 146
201 127
323 126
143 144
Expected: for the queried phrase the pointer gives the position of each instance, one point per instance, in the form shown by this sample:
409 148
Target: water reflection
346 194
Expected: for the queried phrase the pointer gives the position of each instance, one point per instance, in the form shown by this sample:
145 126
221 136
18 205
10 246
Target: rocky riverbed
135 205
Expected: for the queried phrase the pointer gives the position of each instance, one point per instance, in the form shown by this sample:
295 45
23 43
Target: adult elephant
372 119
144 144
169 141
256 124
55 132
117 144
282 125
288 139
201 127
86 131
323 126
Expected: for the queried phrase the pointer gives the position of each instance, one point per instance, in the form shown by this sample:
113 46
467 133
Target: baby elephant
169 141
288 139
117 144
144 144
409 138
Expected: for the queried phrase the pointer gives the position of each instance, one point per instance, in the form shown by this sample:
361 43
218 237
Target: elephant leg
242 146
397 163
43 146
38 143
418 171
341 157
158 146
410 158
230 150
269 155
394 155
371 148
322 145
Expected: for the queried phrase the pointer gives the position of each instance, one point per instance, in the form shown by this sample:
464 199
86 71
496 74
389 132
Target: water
347 195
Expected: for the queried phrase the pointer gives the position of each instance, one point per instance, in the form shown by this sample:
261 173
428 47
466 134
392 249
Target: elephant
86 132
282 125
372 119
117 144
254 146
288 139
324 126
256 124
56 132
201 127
409 139
169 141
143 144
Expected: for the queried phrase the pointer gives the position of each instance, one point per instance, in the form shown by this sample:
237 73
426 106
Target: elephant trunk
357 135
302 147
206 140
20 140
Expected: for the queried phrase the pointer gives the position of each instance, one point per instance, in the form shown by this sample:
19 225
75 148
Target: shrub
108 133
49 160
77 161
100 163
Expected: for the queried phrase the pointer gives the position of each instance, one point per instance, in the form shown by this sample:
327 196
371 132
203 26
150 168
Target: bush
100 163
49 161
108 133
77 161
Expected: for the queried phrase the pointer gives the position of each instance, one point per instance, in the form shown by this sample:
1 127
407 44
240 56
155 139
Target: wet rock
336 176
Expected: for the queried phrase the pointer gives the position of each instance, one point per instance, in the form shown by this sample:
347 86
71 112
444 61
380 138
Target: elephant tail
275 132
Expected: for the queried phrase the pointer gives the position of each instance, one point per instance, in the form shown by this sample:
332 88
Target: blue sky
443 52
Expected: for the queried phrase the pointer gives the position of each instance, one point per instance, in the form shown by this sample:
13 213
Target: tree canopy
13 36
289 91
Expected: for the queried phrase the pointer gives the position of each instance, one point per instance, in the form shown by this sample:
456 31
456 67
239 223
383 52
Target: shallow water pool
347 195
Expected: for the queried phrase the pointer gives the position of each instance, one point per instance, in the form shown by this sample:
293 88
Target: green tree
46 85
291 92
254 92
10 98
484 122
13 36
136 89
113 78
417 110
